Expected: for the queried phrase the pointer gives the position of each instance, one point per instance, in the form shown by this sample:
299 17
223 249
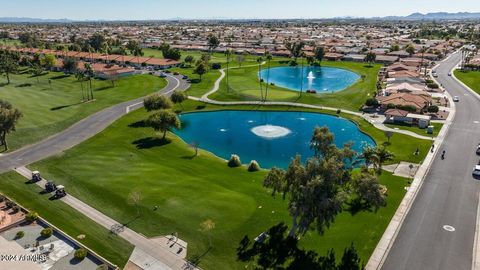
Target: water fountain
310 78
270 132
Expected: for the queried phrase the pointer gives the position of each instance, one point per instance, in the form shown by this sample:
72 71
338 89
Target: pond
270 137
320 79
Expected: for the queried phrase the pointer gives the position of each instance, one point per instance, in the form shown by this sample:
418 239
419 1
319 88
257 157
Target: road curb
383 247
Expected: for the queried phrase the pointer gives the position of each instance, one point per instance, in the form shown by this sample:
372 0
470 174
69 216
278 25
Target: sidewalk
164 258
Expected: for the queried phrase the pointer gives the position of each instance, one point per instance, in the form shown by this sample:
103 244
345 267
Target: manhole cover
448 228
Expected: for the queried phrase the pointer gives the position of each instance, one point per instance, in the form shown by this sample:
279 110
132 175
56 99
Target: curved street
80 131
439 230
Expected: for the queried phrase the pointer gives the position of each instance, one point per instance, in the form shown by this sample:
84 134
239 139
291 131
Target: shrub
253 166
390 106
293 63
32 216
371 102
216 66
80 254
261 80
16 209
339 111
47 232
234 161
432 85
2 198
10 204
272 84
20 234
432 109
157 102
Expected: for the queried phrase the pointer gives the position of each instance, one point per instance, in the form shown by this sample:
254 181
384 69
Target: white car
435 75
476 171
456 99
449 74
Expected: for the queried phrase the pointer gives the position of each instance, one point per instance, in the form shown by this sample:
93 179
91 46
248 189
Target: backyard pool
272 138
320 79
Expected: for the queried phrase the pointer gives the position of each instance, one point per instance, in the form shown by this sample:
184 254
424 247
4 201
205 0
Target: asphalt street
439 230
80 131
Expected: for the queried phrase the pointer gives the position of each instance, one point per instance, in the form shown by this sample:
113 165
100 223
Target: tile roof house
418 101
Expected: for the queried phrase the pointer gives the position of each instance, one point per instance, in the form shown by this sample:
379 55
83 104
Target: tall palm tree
228 52
301 73
89 73
259 61
80 77
268 56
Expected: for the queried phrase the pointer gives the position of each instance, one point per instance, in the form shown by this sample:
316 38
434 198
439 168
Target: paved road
80 131
448 196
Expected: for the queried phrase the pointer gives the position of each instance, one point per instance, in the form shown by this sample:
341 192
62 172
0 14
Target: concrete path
163 257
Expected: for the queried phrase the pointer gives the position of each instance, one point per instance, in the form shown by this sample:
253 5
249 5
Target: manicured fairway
49 108
97 238
244 85
189 190
470 78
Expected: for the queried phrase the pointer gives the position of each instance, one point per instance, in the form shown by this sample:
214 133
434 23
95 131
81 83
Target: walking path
165 257
375 121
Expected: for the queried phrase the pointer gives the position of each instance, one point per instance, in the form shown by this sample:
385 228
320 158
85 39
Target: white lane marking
448 228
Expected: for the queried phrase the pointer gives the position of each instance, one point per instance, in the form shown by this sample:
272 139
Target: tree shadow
3 84
194 81
138 124
74 261
200 107
131 221
60 77
23 85
64 106
196 258
281 251
103 88
356 205
150 142
38 75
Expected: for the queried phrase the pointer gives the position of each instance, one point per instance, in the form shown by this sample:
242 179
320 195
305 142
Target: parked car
476 171
449 74
478 149
185 77
456 99
176 73
435 75
162 75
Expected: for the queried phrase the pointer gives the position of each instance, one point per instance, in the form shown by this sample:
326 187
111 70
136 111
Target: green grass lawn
244 85
190 190
97 238
49 108
420 131
470 78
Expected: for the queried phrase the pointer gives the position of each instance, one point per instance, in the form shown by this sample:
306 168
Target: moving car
476 171
456 99
478 149
449 74
435 75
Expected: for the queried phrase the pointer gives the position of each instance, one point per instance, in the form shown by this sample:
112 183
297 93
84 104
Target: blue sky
237 9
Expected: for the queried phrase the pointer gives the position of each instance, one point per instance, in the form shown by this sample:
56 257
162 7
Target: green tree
319 54
382 156
395 48
96 41
201 69
370 58
157 102
9 117
48 61
189 60
163 121
8 63
213 42
70 64
260 62
268 56
295 48
178 97
410 49
80 75
369 191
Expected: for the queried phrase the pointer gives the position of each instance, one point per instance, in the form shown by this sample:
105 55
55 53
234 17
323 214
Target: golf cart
50 186
36 176
60 192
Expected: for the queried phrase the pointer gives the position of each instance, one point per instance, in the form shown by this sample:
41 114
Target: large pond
271 138
320 79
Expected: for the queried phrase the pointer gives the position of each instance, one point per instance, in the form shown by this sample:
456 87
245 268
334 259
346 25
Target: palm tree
301 73
89 73
382 156
80 77
268 56
369 155
228 52
259 61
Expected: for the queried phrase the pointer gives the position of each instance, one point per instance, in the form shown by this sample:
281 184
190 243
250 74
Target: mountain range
413 17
